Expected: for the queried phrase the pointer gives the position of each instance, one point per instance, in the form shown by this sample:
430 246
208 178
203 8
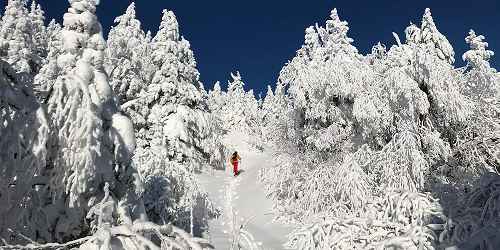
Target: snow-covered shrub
398 220
473 224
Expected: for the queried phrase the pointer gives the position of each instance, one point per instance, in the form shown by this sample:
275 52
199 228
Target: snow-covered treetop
169 28
16 36
81 18
269 91
128 19
323 43
338 29
36 13
311 37
478 49
217 87
429 34
379 50
236 83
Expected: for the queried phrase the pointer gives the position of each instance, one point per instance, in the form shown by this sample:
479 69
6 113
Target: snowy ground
246 213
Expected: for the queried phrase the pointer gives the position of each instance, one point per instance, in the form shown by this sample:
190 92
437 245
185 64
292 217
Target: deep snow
243 204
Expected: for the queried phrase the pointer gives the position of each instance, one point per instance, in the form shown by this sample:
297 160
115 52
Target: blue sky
258 37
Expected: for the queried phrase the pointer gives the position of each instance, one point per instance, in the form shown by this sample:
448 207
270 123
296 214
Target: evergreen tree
216 98
477 143
17 38
24 129
126 50
178 136
45 79
237 110
370 120
93 142
40 34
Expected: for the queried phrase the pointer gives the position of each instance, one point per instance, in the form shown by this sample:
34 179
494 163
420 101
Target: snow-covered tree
237 111
40 34
17 39
275 116
93 142
240 111
24 133
216 97
429 35
178 136
481 78
126 52
478 148
322 86
393 122
45 79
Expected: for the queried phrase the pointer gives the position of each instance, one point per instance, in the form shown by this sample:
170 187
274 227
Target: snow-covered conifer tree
40 35
17 39
380 116
478 148
237 111
24 134
274 115
45 79
241 106
93 142
216 97
126 51
178 136
320 86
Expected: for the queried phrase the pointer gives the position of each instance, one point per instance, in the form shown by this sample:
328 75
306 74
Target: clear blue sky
258 37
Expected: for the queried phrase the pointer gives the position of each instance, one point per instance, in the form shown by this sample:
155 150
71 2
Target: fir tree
126 50
45 79
93 142
24 129
178 136
17 36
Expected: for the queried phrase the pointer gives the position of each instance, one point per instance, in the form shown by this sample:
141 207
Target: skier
234 160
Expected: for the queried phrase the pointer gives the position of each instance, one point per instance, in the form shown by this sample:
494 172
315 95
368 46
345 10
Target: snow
242 201
394 149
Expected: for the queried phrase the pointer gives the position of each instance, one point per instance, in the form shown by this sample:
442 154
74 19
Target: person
234 160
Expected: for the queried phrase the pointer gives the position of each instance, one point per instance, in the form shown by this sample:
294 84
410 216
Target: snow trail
246 214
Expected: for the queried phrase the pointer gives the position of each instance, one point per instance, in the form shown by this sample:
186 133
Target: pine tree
127 48
40 35
93 142
178 136
239 111
335 38
45 79
24 129
479 149
17 38
216 98
321 86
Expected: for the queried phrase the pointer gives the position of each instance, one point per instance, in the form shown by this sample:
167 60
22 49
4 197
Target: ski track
243 207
